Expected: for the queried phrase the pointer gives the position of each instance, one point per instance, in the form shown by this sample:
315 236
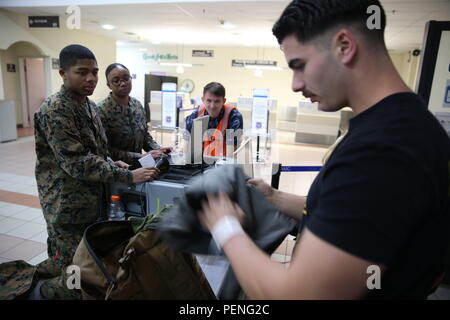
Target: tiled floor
23 233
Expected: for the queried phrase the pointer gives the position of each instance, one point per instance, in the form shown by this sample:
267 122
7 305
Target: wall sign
43 21
55 63
203 53
262 63
10 67
159 56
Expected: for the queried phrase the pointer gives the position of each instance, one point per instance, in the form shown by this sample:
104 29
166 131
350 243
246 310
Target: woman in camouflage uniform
124 121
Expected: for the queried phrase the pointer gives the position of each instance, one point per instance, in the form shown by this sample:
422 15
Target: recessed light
108 26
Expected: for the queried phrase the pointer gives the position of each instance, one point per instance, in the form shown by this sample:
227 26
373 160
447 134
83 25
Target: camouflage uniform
126 129
71 166
16 279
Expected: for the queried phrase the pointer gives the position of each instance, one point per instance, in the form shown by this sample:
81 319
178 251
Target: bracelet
225 229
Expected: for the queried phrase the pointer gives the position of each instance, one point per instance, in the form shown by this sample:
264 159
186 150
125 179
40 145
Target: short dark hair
69 55
215 88
308 19
112 66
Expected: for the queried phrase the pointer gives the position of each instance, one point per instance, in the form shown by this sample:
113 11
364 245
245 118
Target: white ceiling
196 22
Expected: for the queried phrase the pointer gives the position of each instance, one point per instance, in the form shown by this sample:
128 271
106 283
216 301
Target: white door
34 83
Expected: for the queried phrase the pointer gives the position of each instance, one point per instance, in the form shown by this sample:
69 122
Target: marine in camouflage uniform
126 129
71 166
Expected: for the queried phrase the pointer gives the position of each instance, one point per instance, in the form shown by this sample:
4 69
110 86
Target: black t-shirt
383 195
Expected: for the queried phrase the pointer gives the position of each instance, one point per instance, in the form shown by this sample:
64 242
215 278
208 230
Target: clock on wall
187 85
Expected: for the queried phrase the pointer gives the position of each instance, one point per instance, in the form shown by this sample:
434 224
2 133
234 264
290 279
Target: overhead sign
203 53
159 56
43 21
262 63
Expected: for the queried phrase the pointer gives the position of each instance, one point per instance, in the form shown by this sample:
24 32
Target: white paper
147 161
259 115
169 105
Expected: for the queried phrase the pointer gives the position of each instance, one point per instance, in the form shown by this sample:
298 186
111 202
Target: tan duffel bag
116 264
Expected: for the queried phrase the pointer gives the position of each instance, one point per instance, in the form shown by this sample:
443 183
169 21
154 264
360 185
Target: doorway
32 82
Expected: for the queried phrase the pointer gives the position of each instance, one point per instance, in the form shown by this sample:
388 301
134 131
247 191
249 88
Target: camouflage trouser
62 242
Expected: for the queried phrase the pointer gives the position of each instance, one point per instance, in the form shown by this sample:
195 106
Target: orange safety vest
216 143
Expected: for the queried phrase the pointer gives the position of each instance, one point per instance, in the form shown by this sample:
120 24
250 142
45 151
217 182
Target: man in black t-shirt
376 220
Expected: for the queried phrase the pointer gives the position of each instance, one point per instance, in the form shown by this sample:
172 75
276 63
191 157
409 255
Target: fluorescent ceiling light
156 42
108 26
253 66
175 64
143 49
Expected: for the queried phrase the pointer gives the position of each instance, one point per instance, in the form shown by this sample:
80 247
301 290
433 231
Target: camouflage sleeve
149 142
115 153
73 157
125 156
101 114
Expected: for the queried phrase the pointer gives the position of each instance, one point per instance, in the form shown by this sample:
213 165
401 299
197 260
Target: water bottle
115 211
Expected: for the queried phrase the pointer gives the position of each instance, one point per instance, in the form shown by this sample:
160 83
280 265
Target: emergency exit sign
43 21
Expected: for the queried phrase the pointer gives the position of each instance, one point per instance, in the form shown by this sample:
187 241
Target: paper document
147 161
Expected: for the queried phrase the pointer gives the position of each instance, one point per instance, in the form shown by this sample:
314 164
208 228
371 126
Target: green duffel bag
117 264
